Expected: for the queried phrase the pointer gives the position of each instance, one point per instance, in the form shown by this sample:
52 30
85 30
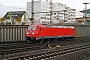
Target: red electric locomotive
36 32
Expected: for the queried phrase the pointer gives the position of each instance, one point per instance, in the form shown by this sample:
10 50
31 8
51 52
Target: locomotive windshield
32 28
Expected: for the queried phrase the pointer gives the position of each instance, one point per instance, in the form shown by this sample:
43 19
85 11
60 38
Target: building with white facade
59 11
71 13
42 11
39 6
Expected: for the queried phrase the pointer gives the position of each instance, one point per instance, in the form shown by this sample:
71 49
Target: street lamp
86 5
85 11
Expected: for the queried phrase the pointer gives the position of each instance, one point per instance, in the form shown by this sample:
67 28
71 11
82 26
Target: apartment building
71 13
59 11
42 11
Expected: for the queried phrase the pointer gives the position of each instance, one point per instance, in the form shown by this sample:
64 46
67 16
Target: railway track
17 48
21 47
13 49
51 54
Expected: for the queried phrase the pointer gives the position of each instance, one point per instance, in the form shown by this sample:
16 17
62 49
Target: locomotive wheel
42 40
31 40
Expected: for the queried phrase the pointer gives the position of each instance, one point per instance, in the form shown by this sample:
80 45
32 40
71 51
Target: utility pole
51 11
85 11
32 12
64 14
32 9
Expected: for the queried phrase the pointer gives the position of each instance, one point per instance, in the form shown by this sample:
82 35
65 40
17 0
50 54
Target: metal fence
82 30
17 32
12 33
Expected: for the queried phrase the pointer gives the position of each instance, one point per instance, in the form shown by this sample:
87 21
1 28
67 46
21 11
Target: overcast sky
7 5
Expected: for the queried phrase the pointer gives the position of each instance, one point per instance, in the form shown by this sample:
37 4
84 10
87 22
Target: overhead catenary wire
34 10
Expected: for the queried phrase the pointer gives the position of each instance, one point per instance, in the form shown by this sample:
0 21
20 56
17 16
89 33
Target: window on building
41 17
7 15
54 13
15 15
47 18
47 14
44 17
50 7
54 16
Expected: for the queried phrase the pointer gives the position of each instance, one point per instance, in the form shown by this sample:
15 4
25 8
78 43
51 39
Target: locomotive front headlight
27 32
32 32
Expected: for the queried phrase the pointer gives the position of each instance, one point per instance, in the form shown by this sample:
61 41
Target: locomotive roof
53 26
59 26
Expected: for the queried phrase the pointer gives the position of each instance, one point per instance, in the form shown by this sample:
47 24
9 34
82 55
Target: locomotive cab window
32 28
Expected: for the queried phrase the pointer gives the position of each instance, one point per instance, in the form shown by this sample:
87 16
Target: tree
25 16
19 19
10 15
2 19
